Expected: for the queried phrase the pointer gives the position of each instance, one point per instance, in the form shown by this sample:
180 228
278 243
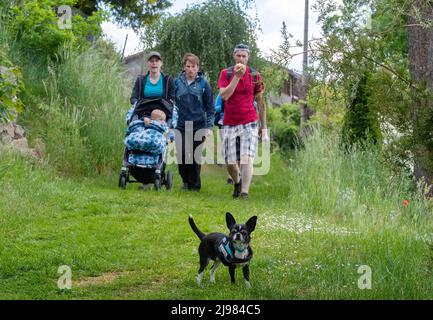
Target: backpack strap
229 72
254 73
252 70
202 84
166 81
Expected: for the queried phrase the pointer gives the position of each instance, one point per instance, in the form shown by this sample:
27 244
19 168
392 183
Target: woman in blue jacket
194 102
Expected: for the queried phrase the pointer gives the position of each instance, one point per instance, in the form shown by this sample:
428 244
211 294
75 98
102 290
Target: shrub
284 125
11 85
360 122
35 26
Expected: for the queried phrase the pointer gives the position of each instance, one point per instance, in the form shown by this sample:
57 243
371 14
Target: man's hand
240 69
263 133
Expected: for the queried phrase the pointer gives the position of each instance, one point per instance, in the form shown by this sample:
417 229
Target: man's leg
229 148
248 146
237 169
233 171
246 172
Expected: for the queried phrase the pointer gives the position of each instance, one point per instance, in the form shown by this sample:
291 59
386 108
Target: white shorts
246 134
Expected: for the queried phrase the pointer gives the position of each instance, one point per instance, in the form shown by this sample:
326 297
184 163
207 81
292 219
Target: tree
360 122
396 42
420 41
132 13
210 30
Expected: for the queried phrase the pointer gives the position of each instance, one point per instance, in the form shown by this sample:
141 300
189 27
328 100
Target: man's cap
242 47
154 54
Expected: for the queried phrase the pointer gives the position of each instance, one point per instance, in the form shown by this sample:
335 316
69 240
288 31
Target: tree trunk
420 42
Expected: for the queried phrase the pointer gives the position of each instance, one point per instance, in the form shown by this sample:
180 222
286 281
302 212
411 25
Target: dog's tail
194 228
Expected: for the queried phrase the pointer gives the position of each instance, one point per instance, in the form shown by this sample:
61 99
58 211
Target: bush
284 125
35 26
11 85
360 122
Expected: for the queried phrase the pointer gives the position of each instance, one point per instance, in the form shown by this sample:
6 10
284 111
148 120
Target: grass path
135 244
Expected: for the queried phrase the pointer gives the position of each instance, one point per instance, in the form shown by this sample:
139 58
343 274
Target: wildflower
406 202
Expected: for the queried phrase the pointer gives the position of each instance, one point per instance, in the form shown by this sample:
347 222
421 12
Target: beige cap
154 54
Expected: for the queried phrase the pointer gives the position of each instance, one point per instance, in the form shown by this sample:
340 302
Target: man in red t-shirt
239 87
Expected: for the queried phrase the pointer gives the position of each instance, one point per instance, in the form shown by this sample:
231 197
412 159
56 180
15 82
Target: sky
271 14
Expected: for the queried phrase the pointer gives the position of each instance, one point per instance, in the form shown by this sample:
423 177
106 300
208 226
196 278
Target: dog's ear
251 223
230 220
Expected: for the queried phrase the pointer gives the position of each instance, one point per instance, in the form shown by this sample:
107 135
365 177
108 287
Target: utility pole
304 91
124 46
305 60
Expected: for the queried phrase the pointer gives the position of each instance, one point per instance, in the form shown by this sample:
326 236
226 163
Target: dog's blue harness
225 254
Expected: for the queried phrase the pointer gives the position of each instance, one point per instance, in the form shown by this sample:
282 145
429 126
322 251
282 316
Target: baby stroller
144 173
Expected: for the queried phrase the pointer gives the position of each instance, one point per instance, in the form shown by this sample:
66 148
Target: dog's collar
239 249
226 255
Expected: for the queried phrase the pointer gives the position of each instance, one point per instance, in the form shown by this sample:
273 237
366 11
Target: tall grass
77 105
355 186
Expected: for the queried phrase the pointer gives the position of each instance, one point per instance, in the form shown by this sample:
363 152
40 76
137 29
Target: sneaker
237 189
243 195
230 181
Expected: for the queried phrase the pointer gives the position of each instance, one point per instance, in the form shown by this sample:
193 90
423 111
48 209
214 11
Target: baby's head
157 115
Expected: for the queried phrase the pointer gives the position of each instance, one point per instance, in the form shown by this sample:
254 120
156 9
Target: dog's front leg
246 272
232 269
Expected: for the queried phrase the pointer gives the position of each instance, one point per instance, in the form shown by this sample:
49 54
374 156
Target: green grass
137 244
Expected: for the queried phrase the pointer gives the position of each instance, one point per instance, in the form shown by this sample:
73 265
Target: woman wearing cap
154 84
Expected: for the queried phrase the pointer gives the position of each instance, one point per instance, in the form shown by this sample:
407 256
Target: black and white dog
233 250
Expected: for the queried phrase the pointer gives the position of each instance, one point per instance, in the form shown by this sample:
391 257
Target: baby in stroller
147 135
146 143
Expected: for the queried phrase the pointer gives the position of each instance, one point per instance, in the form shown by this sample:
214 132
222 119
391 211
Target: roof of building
134 56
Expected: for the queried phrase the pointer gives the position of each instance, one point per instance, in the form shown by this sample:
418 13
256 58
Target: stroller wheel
158 184
169 182
122 181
